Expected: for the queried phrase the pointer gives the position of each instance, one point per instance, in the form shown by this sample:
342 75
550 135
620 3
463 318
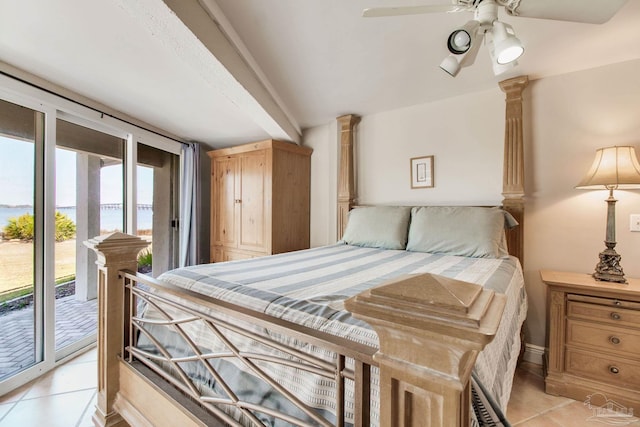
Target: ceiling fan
504 47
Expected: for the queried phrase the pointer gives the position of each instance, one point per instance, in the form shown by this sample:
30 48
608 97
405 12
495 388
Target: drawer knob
615 316
614 340
614 370
616 302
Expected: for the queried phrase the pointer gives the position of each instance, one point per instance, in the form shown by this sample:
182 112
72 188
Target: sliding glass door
157 211
89 195
21 232
65 179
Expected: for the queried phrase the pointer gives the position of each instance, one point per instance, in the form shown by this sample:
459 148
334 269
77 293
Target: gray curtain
189 178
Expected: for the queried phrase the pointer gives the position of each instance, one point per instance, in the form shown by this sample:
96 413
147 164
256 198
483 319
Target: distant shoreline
111 216
31 206
2 205
16 206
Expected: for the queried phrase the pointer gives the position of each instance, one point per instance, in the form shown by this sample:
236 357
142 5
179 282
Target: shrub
145 259
65 228
22 227
19 228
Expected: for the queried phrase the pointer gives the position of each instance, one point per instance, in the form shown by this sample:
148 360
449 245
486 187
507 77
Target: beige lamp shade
613 168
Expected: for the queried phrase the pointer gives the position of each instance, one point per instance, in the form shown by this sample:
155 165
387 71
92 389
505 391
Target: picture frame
422 172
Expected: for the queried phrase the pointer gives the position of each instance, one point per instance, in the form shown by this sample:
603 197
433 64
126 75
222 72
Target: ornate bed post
116 251
513 172
346 172
431 330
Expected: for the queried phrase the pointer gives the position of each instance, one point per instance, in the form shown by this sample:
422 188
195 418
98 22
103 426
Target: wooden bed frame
412 383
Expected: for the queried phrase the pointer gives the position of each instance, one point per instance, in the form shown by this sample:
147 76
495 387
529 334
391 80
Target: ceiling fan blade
375 12
587 11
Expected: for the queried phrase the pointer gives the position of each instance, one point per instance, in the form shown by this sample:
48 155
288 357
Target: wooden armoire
260 197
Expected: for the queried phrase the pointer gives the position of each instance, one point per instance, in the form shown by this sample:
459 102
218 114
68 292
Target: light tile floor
530 406
63 397
66 397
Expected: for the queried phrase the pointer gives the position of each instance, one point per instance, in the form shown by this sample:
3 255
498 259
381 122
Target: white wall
566 119
465 136
569 117
324 182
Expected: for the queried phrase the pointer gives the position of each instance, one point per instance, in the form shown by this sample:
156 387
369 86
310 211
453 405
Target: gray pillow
378 227
459 230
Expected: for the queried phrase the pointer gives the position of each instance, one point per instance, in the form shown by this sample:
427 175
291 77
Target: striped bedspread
308 287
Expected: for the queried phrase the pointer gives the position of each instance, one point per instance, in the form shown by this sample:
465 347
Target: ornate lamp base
609 268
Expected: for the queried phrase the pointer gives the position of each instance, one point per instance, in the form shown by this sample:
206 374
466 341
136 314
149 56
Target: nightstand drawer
604 338
608 314
610 302
615 371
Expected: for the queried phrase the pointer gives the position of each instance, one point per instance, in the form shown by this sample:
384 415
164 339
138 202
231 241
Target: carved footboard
238 335
454 319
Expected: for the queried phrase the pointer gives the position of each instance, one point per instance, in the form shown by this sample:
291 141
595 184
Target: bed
328 336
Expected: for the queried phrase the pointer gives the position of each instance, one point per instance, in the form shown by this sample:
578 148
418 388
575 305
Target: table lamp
613 168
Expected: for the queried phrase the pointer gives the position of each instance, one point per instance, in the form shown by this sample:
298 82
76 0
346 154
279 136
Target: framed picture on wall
422 172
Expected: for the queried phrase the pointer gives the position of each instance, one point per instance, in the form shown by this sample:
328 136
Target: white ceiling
285 65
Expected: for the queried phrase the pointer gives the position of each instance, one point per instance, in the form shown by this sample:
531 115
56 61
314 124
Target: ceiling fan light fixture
461 39
507 48
450 65
509 51
459 42
497 67
503 68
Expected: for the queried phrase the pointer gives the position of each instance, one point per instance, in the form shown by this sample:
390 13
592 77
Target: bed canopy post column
115 252
431 330
346 172
513 168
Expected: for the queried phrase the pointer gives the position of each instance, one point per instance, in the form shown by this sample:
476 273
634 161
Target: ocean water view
111 217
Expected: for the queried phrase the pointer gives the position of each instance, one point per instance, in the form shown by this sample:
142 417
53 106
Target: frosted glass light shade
507 47
613 168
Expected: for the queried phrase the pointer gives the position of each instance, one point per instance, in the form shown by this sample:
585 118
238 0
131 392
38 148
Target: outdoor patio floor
74 320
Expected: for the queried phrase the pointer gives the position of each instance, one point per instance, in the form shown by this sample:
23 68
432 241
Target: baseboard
533 353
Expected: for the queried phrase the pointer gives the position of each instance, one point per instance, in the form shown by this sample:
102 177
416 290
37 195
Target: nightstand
593 332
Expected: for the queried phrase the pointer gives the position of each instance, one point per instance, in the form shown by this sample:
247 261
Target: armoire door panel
252 209
226 194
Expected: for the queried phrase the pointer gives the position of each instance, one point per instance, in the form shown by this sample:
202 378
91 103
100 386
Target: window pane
157 208
89 202
17 230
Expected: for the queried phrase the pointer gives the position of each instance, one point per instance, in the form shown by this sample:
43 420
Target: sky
17 177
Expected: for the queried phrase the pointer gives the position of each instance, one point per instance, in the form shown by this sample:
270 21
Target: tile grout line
533 417
87 408
56 394
13 405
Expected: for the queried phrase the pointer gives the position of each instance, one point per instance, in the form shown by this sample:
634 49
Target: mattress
309 288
